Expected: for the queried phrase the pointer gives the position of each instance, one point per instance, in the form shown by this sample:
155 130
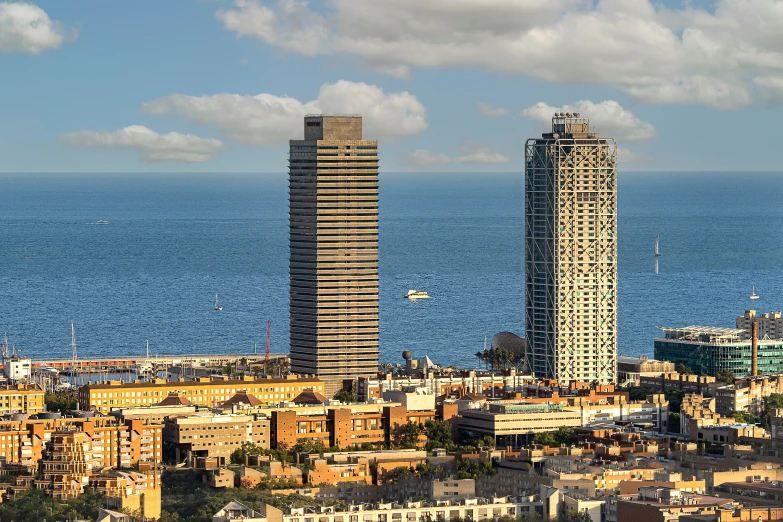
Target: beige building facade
106 396
209 435
333 182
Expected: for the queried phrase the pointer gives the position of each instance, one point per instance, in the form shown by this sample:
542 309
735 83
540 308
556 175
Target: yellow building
21 398
106 396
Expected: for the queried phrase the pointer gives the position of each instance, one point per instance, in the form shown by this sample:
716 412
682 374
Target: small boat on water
64 386
416 294
753 294
217 304
48 371
101 222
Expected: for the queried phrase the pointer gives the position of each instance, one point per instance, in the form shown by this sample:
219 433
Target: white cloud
152 147
628 156
269 120
607 117
487 109
473 153
770 88
26 28
689 55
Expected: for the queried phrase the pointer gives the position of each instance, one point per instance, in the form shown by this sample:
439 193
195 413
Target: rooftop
191 384
702 333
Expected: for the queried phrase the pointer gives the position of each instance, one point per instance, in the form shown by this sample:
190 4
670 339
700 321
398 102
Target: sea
174 241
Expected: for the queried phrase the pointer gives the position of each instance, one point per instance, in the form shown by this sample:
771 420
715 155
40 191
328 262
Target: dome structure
509 341
407 355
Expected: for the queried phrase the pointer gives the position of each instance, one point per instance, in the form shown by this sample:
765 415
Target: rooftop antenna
657 254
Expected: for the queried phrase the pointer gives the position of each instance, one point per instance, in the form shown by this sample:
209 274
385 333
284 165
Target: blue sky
96 86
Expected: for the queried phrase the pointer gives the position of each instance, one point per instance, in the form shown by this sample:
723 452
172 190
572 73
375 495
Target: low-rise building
673 381
211 435
727 434
510 424
156 414
16 368
658 504
485 383
631 369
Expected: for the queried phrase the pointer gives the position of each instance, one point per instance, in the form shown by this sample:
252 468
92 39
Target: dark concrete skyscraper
571 253
333 182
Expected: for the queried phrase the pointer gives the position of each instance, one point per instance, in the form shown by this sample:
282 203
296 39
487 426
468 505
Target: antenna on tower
268 343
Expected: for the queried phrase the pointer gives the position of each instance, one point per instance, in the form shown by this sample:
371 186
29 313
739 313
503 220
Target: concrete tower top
571 125
332 128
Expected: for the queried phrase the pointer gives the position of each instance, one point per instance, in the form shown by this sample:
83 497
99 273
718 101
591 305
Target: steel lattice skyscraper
571 253
333 196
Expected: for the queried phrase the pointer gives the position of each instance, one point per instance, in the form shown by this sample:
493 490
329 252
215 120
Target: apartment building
114 444
769 326
67 463
470 508
210 435
21 398
673 381
128 491
106 396
747 394
346 426
327 471
696 410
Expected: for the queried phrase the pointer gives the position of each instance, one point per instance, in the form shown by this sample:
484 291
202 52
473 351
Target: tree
487 441
566 436
474 469
674 422
62 401
725 376
681 368
345 396
545 438
771 402
407 436
438 434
